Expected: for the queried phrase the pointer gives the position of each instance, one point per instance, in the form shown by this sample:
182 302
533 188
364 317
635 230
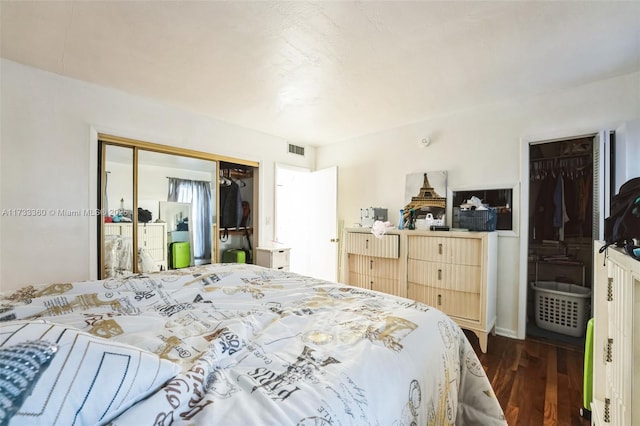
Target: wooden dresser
616 338
374 263
455 272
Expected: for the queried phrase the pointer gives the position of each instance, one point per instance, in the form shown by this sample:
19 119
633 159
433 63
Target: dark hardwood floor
537 382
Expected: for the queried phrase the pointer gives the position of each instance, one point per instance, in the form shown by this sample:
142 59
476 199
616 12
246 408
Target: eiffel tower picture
428 200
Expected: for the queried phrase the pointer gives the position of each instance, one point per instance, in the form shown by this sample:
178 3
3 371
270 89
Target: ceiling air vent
295 149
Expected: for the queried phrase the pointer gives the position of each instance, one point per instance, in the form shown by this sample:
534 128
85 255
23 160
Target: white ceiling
322 72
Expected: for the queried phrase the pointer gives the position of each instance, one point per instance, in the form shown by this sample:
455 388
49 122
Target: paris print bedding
235 344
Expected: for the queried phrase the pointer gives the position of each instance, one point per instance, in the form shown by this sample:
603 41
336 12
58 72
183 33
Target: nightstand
273 257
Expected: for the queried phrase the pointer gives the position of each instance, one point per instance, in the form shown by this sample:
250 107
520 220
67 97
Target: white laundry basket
562 307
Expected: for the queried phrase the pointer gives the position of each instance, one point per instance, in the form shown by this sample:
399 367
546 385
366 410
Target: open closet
560 240
237 209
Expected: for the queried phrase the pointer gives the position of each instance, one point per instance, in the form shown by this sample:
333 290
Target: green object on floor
587 391
179 255
234 256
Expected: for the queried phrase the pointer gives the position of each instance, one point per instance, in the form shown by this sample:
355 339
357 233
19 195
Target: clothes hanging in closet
544 209
230 205
560 216
561 207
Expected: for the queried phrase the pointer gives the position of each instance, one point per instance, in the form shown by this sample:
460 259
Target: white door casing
306 219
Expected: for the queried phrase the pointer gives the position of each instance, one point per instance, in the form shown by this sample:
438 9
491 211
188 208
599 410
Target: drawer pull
610 290
371 264
440 274
440 248
366 244
439 300
608 351
606 414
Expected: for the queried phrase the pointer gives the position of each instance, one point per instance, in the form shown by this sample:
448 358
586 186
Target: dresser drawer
454 303
445 275
370 245
461 251
382 284
273 258
374 266
279 258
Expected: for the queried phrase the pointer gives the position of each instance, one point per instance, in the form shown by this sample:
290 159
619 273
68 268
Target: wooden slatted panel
374 266
359 280
385 285
619 386
433 249
368 244
466 251
461 251
374 273
454 303
442 275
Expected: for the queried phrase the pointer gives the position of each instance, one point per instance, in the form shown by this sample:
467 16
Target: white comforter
265 347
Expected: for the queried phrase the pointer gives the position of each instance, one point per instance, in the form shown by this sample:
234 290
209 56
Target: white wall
48 121
479 147
48 124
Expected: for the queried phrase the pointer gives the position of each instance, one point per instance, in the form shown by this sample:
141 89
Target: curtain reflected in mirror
198 195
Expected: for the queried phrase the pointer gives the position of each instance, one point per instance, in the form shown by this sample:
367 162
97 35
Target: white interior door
306 219
323 259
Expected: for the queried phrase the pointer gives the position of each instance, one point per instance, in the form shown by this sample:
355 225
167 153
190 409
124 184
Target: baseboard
505 332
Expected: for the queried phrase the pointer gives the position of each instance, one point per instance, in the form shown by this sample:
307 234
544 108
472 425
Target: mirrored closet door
117 207
160 207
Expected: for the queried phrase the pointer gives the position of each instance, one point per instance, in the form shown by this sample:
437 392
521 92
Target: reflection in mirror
176 217
117 206
167 181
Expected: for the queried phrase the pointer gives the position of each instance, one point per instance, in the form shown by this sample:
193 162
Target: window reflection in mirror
179 193
117 207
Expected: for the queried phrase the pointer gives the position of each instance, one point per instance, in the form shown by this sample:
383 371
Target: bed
237 344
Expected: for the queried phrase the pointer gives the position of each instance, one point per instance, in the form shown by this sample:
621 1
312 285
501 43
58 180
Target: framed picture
505 199
426 194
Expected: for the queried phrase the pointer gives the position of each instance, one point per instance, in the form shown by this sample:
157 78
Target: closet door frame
104 139
601 194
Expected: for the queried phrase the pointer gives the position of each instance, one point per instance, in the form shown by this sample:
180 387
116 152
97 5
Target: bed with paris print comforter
232 344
